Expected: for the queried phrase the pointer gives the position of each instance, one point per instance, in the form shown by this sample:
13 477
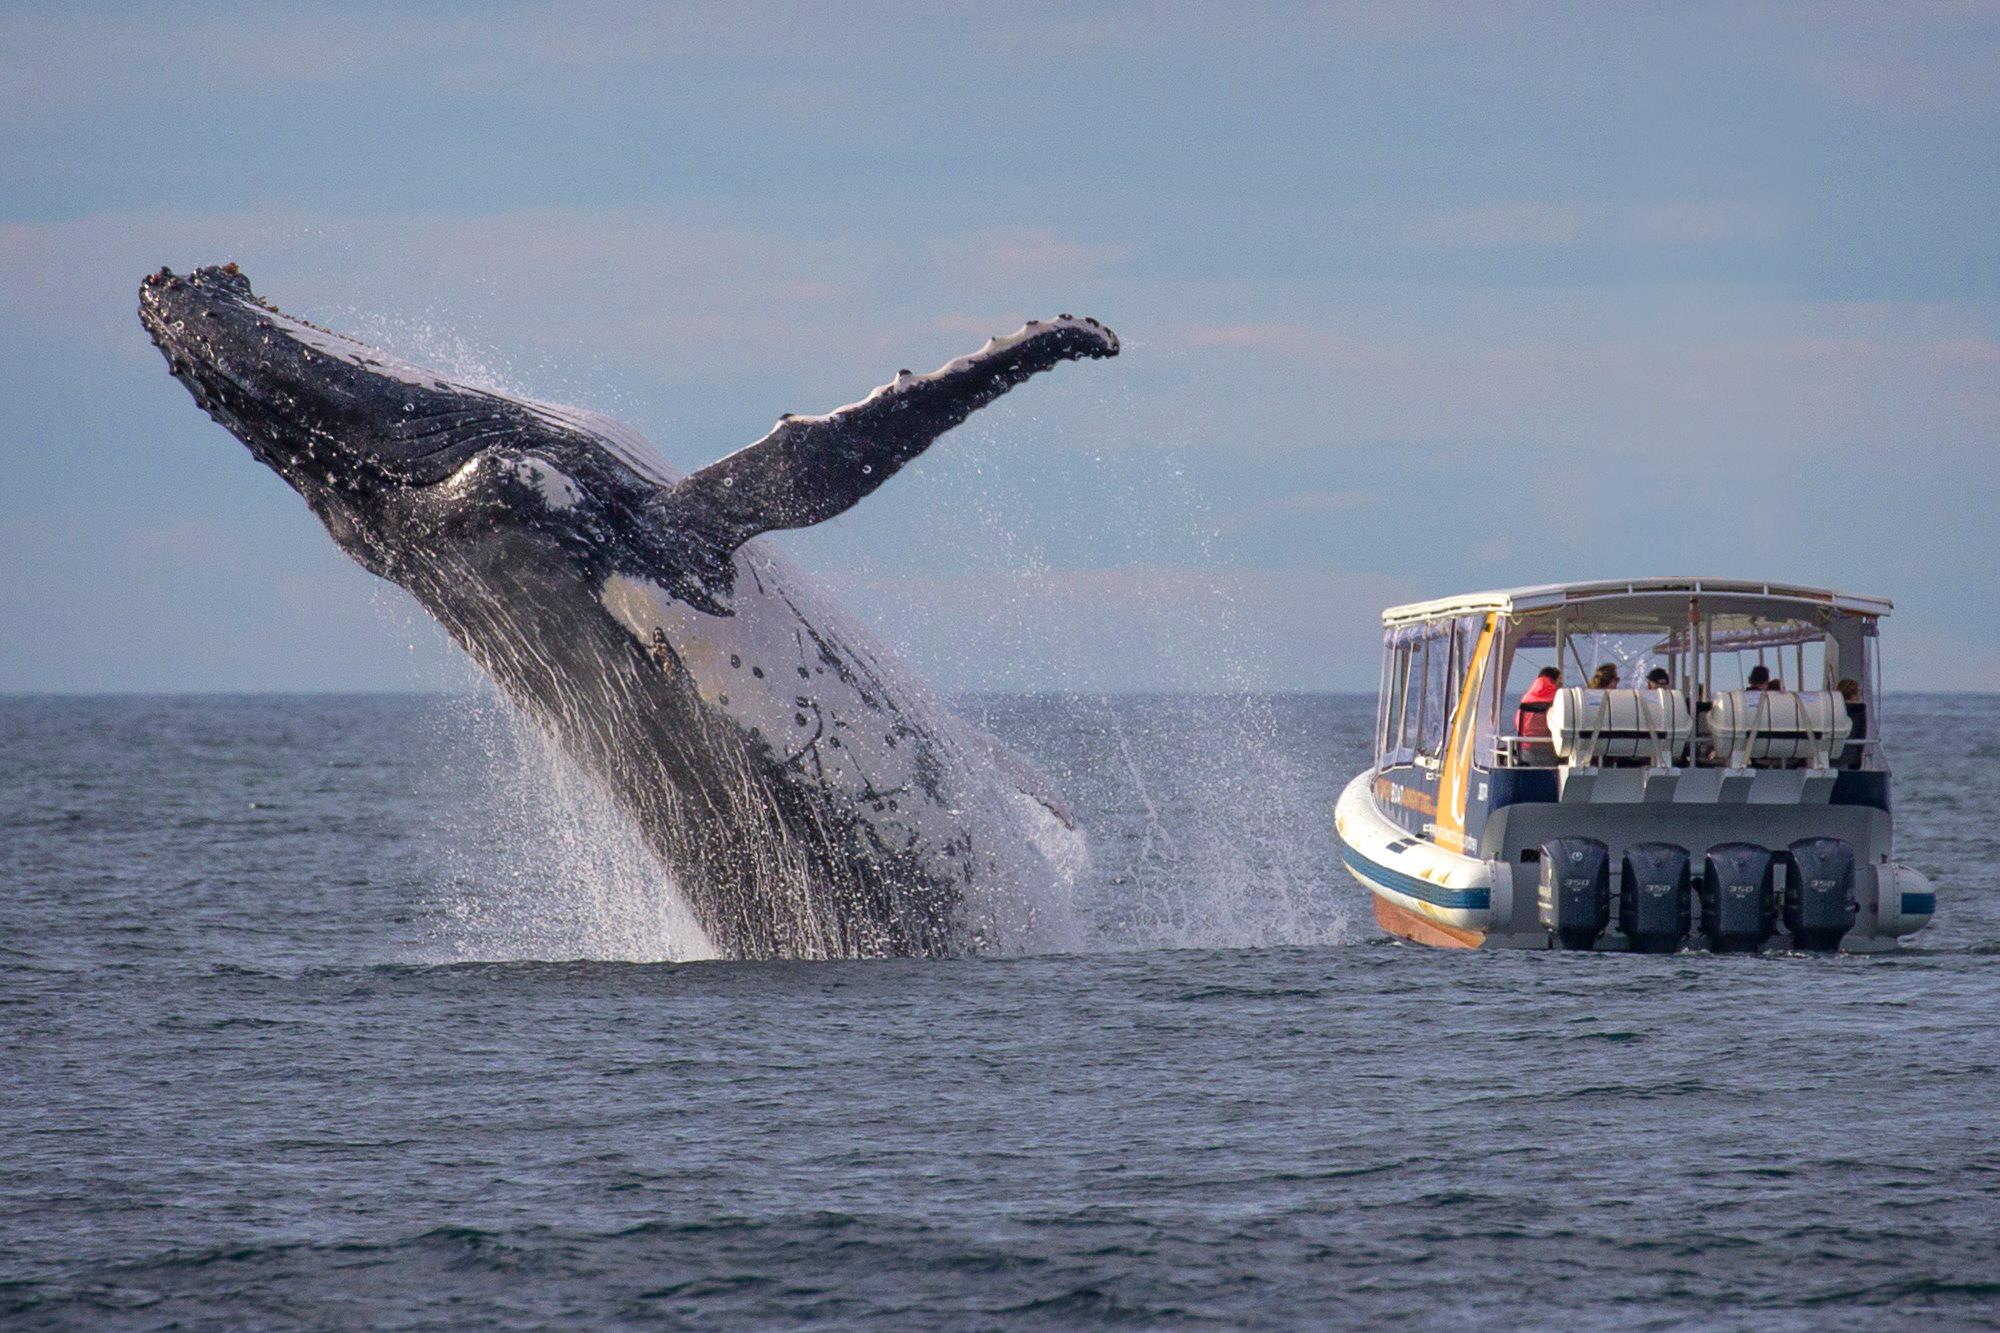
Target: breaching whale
806 799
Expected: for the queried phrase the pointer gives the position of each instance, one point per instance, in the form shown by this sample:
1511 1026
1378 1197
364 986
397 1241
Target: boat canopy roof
1602 596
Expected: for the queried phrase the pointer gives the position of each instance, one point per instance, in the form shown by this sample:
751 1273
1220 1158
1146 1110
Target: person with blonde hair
1605 677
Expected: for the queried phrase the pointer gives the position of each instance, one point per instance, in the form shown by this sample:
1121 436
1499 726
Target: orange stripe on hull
1400 921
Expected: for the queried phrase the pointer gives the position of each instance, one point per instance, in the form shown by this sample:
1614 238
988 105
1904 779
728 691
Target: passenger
1658 679
1759 678
1605 677
1531 719
1857 720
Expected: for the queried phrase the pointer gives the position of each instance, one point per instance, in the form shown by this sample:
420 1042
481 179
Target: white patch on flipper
540 475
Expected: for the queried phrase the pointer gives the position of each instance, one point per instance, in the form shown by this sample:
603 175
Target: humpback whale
806 798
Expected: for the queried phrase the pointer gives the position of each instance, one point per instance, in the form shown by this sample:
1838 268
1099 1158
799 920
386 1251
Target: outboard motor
1819 893
1655 905
1574 897
1739 897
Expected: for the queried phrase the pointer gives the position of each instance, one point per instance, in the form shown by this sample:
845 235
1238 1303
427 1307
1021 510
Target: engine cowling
1573 899
1654 897
1819 892
1739 897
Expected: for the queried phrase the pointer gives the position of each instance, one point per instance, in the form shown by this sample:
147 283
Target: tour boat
1705 771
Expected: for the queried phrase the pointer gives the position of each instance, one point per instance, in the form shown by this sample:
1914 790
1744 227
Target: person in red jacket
1531 719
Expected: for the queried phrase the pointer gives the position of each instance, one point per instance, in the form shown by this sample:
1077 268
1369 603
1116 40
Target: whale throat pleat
812 468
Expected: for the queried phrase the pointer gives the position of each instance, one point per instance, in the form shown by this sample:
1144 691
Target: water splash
542 863
1245 864
1205 830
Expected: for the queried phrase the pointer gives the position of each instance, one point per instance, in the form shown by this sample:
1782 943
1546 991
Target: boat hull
1425 894
1408 925
1422 892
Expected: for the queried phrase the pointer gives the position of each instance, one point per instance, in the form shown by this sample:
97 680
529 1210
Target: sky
1416 298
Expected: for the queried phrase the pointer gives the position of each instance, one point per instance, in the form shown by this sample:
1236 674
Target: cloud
89 57
1016 256
1501 224
1304 504
1916 78
1700 222
1776 392
1297 341
1284 337
1559 225
192 540
1324 502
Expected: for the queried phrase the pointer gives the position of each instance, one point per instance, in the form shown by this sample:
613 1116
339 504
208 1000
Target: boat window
1437 687
1382 694
1413 698
1395 679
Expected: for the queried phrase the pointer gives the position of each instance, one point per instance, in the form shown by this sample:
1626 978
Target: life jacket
1532 717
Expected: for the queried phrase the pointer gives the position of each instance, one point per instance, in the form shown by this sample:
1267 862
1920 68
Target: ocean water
358 1011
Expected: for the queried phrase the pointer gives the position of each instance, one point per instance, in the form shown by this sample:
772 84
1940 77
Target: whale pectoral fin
808 469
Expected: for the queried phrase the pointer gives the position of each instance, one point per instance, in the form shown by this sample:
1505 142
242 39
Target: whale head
392 457
320 409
